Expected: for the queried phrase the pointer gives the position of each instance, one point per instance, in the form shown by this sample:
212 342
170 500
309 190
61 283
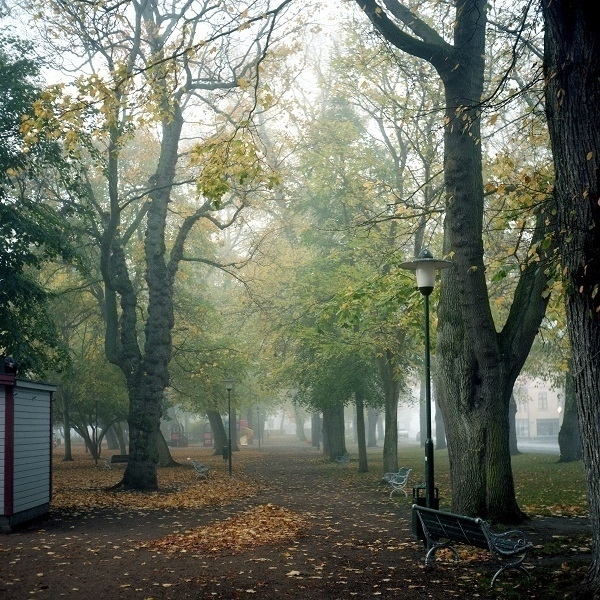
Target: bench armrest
510 542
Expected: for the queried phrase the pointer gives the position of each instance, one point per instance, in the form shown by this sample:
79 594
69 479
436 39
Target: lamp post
229 386
425 267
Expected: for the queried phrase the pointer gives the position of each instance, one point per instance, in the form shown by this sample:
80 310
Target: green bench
443 529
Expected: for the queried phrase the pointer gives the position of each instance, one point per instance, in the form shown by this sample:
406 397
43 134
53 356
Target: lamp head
228 384
425 267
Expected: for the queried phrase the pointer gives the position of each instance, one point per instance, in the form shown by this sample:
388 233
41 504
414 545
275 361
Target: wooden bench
119 458
442 529
201 469
398 480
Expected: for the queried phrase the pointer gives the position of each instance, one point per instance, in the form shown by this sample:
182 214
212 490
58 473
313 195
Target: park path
357 544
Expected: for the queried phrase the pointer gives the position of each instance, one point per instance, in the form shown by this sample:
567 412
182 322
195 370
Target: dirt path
354 543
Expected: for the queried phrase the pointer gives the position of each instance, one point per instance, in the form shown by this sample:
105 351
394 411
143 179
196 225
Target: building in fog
540 409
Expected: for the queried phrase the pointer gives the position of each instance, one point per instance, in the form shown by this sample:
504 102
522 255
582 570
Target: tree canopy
35 181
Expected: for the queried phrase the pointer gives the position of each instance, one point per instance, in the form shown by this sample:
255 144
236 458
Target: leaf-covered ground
287 525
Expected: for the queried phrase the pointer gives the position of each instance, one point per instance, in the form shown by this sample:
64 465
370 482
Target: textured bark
569 436
391 390
164 455
299 417
440 429
111 439
363 466
572 73
149 378
218 429
334 443
372 418
316 429
68 457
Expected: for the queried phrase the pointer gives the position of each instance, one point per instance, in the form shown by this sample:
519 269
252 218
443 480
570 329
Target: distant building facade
540 408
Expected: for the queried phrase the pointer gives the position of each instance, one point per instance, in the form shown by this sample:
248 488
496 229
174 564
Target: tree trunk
440 429
333 431
235 432
282 423
218 429
68 457
372 418
252 425
111 438
475 408
571 68
118 429
315 430
147 372
363 466
164 455
299 417
144 425
472 377
391 391
569 436
440 426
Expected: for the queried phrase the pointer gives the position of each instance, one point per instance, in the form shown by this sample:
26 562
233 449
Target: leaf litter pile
265 524
81 486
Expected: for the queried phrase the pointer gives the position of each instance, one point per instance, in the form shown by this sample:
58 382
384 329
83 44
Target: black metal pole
229 442
429 482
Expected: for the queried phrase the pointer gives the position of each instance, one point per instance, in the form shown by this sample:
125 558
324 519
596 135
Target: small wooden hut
25 448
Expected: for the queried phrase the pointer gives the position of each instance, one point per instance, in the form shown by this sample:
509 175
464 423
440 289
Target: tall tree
152 65
477 364
571 68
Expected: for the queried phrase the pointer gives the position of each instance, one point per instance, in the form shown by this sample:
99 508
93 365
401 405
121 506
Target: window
542 400
522 427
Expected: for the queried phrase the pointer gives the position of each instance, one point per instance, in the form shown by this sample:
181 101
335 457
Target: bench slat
464 530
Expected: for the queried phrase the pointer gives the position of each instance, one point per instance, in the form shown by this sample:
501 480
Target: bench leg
399 489
430 556
506 567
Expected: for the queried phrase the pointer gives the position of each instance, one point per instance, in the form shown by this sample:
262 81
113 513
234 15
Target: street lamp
425 267
229 386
